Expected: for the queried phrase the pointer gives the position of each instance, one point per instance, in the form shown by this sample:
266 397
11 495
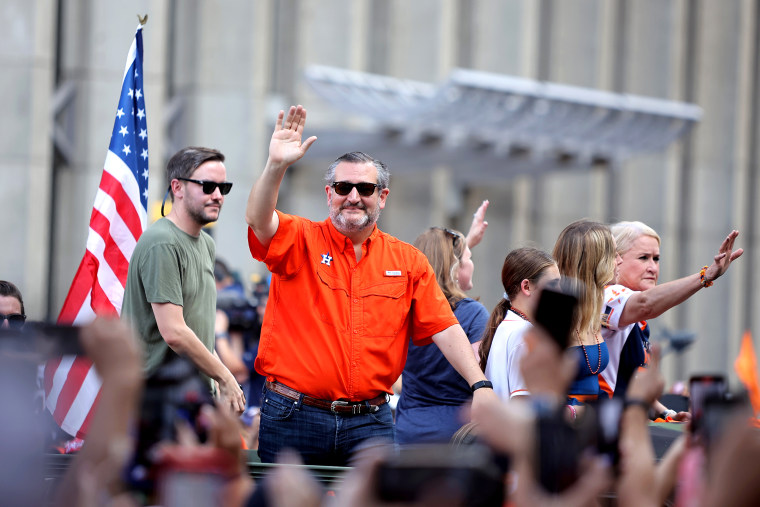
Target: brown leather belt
336 407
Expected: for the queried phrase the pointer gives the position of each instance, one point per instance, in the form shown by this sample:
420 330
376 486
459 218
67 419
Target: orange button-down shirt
335 328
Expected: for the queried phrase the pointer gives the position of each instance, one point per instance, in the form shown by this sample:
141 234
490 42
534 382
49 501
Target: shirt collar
341 238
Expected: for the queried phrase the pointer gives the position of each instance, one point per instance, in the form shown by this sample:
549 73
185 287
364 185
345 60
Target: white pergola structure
488 126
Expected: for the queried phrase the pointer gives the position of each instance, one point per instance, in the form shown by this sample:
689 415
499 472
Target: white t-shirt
615 298
507 349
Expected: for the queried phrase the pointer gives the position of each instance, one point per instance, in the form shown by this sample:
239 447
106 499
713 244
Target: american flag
119 216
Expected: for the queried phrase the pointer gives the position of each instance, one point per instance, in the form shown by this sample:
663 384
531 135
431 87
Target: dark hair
184 163
525 263
9 290
358 157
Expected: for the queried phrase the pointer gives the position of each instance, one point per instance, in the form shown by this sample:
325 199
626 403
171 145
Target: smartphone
558 452
700 388
466 475
43 340
718 410
609 411
555 314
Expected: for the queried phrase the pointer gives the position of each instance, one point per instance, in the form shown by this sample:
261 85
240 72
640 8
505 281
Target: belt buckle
338 403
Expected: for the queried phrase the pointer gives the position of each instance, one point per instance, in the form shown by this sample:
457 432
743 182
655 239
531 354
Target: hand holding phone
700 388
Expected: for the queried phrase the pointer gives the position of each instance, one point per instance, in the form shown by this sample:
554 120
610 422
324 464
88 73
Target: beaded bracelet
702 281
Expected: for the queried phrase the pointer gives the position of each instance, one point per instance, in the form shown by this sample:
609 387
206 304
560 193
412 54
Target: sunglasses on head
364 189
15 320
455 238
210 186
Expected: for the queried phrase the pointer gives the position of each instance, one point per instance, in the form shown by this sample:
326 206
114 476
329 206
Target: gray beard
346 225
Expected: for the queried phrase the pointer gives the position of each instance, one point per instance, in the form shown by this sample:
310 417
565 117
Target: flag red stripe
50 368
124 205
112 253
86 423
100 302
80 288
70 389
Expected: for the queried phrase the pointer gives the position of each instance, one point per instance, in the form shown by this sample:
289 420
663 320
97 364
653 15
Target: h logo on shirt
326 259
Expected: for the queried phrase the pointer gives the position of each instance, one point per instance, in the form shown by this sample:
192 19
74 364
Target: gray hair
625 233
357 157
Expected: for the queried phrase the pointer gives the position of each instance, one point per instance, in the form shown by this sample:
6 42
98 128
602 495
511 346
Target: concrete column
27 57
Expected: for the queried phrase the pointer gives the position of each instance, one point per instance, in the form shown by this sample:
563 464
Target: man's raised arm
285 148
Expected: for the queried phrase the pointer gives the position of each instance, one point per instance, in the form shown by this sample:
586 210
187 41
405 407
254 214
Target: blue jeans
318 435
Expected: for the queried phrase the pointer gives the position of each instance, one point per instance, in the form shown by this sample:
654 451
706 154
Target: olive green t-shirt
170 266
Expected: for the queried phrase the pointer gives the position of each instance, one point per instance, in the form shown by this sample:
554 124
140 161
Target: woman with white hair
636 297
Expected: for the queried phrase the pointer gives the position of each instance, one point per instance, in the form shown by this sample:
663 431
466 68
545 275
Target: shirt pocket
332 300
385 308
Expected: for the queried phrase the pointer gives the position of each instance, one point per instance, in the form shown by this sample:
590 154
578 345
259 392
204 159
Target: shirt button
355 331
356 300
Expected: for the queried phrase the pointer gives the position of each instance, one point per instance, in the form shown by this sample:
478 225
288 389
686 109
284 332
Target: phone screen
465 475
700 388
554 314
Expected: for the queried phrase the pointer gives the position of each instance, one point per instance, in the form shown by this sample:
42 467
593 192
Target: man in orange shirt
345 297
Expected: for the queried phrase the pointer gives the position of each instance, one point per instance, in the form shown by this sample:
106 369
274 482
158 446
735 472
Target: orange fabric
746 369
583 398
337 329
604 386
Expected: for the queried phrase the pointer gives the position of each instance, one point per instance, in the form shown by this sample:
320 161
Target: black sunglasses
455 238
15 320
364 189
210 186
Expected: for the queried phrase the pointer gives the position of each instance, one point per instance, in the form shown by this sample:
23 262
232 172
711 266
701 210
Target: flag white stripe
119 170
59 379
82 403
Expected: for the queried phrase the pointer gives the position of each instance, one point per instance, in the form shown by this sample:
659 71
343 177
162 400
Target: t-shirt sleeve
160 272
473 317
615 299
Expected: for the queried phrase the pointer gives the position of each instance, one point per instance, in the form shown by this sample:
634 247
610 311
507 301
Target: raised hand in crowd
726 255
478 226
286 145
637 459
547 370
115 352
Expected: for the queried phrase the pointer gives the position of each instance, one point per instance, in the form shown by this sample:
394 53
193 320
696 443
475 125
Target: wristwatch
482 383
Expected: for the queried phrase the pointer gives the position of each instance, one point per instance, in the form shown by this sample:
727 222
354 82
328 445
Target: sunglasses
455 238
15 320
364 189
210 186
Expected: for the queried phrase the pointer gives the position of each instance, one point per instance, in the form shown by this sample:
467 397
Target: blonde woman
585 252
433 392
637 297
